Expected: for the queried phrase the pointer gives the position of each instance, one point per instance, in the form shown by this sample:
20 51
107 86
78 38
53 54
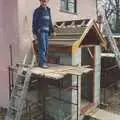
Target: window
69 5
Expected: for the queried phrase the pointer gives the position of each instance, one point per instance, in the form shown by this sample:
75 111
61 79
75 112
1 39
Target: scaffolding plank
48 73
59 71
78 71
104 115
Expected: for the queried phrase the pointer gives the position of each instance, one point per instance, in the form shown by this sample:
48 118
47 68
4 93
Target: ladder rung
13 108
16 96
19 86
21 75
34 81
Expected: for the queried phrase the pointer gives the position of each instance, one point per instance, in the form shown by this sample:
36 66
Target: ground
1 116
114 101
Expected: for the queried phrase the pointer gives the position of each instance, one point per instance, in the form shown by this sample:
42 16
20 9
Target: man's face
43 2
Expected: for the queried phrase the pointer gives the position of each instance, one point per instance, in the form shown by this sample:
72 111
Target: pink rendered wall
8 35
86 9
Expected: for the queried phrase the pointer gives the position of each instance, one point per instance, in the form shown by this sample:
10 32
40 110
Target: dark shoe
44 66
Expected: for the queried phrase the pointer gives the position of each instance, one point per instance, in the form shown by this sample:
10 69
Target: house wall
8 35
90 5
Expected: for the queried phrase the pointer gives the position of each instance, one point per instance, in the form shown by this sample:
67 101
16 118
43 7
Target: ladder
20 88
18 95
108 34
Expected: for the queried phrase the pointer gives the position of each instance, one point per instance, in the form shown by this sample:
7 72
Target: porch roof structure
77 32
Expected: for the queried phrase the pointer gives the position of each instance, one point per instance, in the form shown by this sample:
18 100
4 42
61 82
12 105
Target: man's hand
34 37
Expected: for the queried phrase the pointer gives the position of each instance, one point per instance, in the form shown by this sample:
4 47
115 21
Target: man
42 28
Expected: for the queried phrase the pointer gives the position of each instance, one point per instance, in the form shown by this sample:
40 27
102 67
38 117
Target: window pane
68 5
71 7
63 4
71 1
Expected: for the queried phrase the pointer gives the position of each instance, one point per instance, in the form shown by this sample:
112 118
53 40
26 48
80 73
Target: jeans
42 38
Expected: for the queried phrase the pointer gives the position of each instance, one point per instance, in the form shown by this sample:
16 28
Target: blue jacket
42 20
